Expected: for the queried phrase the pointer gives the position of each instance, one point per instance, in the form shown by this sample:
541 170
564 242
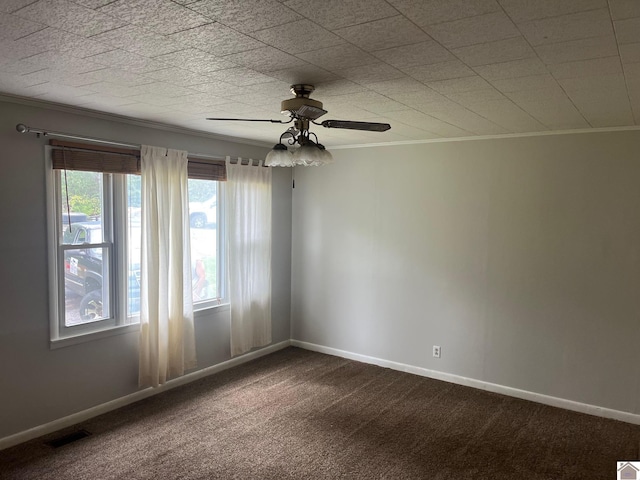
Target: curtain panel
248 230
167 336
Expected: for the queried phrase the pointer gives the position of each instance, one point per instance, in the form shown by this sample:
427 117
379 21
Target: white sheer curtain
167 339
248 195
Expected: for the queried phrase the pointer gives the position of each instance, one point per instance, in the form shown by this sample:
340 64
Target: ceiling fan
302 111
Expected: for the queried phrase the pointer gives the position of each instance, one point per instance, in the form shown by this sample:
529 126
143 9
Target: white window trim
119 323
60 334
222 300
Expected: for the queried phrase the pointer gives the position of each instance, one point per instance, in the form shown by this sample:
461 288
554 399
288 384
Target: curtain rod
22 128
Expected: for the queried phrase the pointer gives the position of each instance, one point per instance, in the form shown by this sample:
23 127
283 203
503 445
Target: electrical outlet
436 351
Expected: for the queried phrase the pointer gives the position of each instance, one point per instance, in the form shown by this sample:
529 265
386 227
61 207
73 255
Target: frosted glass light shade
279 156
310 154
307 155
325 155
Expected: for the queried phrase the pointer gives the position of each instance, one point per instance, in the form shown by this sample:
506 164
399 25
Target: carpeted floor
302 415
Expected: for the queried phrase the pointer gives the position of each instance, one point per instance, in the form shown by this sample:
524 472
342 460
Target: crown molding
492 137
243 141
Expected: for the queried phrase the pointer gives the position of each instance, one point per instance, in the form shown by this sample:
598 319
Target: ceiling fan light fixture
279 156
311 154
303 111
325 155
307 155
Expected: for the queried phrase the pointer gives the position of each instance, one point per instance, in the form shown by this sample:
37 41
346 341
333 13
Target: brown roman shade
107 159
207 169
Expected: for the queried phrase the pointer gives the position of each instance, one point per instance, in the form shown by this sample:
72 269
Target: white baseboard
470 382
78 417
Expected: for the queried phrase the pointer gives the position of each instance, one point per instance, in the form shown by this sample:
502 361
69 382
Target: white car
202 213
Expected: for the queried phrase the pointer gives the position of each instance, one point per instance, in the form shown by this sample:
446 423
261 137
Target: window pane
86 282
134 241
203 211
81 203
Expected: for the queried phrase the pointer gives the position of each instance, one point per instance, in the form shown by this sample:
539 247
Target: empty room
287 239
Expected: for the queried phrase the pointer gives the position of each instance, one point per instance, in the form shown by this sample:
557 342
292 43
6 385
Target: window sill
203 312
87 337
208 310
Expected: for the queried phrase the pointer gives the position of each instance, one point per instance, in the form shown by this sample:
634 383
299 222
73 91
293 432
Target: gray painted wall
520 257
38 384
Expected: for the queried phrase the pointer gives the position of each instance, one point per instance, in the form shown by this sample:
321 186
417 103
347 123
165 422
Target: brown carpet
302 415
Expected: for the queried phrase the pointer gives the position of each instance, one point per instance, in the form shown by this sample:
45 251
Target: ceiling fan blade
249 120
369 126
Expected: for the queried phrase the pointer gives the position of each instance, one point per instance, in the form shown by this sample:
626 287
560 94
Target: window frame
220 257
115 208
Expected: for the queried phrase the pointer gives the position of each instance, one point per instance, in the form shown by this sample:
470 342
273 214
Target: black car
83 270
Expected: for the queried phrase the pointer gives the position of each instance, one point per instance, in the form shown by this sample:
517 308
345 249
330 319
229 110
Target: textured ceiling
430 68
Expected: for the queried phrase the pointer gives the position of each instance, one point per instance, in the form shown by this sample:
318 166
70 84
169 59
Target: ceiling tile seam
44 27
470 111
302 19
189 47
178 46
11 62
546 68
154 57
104 67
550 16
423 129
213 22
451 124
426 85
548 128
386 48
128 68
23 6
34 85
216 20
454 20
441 79
434 118
91 8
114 49
364 23
126 23
222 70
101 7
51 50
144 77
636 120
88 85
297 55
30 71
562 41
266 72
337 72
62 29
492 63
429 115
346 26
90 37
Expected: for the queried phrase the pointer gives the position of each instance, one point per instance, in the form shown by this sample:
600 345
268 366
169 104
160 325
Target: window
204 217
95 224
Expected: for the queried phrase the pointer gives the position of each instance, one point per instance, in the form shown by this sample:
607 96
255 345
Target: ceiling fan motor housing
302 105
